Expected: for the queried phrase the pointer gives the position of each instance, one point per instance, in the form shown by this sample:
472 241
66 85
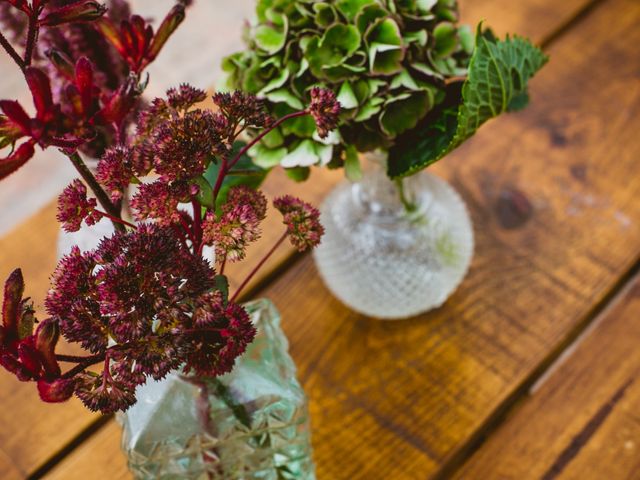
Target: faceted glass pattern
386 261
250 424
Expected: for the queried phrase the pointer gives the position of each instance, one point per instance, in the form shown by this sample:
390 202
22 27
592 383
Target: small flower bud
47 336
13 290
56 391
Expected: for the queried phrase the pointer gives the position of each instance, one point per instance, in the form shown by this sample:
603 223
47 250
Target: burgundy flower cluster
146 301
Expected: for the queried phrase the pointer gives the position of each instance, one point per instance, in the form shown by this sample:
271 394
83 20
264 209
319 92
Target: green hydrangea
397 66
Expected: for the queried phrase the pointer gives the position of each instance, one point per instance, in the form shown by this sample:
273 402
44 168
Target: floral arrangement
410 80
145 301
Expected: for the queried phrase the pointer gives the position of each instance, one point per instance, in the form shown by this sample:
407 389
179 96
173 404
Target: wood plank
406 399
583 422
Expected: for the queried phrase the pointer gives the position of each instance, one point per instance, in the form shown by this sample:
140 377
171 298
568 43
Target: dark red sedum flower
324 109
302 221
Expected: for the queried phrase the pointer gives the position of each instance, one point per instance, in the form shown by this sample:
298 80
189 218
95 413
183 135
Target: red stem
246 148
197 225
224 169
32 34
77 359
116 219
11 51
258 266
82 366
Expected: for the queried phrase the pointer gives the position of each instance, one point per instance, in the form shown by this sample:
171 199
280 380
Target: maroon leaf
41 92
16 114
84 82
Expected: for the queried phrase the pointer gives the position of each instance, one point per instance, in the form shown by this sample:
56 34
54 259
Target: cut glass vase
394 249
250 424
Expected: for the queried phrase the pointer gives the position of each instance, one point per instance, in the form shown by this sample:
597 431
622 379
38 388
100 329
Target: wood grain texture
583 422
405 400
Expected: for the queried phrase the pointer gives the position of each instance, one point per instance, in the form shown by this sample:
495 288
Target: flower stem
82 366
409 205
258 266
116 219
32 35
11 51
78 359
248 146
100 194
197 225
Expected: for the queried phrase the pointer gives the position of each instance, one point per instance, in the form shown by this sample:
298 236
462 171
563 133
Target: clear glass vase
394 249
250 424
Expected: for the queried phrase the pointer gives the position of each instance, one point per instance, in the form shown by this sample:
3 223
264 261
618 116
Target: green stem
409 205
238 410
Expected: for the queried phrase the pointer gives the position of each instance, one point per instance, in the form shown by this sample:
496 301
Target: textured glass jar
250 424
394 249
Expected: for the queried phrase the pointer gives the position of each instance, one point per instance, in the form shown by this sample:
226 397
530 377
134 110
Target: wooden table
531 370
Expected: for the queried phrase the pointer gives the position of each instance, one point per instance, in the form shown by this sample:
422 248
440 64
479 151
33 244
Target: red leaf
29 357
16 160
14 112
84 82
41 91
82 11
169 25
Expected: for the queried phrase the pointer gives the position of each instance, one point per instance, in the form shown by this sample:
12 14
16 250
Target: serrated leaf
498 74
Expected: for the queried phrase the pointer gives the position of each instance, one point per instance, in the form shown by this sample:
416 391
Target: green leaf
352 168
304 155
346 97
205 195
221 284
404 113
284 95
369 109
298 174
385 47
350 8
446 36
368 15
269 38
325 14
267 158
275 83
498 74
246 164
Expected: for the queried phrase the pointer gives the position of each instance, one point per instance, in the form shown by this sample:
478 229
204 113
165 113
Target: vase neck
385 197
